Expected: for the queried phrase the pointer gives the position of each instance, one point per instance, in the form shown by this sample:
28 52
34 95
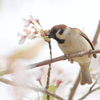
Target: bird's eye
61 31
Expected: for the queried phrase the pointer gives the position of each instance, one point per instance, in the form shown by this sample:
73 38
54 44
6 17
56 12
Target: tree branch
96 34
64 57
46 62
89 93
46 92
74 87
6 81
91 90
95 82
49 70
5 72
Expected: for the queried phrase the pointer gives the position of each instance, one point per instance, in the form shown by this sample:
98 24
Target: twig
74 88
49 71
46 92
95 82
91 90
64 57
89 93
96 34
5 72
6 81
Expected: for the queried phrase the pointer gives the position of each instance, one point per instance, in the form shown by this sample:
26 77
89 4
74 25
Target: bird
71 41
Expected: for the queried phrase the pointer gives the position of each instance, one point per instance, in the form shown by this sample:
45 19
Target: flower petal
27 31
26 22
32 18
22 40
19 35
31 35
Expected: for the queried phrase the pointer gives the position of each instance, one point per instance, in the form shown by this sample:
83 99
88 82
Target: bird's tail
85 77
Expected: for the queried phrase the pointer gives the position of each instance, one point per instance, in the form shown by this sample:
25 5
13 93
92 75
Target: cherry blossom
38 79
33 30
27 22
31 35
22 40
43 34
27 31
34 19
59 81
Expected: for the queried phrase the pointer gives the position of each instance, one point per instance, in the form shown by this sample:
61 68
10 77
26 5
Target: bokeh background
82 14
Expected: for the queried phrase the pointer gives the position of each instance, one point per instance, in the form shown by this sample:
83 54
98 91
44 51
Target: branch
64 57
46 92
49 71
96 34
74 88
6 81
46 62
89 93
95 82
5 72
91 90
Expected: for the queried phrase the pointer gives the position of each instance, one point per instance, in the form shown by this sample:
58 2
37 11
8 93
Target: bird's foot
89 55
69 59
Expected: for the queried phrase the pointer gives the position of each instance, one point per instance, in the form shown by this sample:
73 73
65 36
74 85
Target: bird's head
58 33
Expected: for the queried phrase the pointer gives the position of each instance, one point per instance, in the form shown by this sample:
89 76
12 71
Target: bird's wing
83 35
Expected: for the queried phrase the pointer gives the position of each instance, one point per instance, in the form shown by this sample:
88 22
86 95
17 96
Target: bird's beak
50 35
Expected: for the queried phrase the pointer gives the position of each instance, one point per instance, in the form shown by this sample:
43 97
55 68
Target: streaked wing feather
83 35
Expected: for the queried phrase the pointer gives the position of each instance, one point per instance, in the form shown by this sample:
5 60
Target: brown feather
58 27
85 36
82 34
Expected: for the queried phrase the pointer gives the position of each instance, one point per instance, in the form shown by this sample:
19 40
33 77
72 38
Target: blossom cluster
33 29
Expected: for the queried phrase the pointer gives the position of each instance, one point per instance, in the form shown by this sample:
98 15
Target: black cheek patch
61 31
60 41
53 35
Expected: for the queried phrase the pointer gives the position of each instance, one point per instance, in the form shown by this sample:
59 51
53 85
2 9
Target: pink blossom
31 17
38 79
33 28
59 81
19 35
43 34
27 31
34 19
26 22
37 20
22 40
35 32
31 35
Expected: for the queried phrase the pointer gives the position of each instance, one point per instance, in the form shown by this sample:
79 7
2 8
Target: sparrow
71 41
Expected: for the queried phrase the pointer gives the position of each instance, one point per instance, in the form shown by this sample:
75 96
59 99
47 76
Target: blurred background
82 14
